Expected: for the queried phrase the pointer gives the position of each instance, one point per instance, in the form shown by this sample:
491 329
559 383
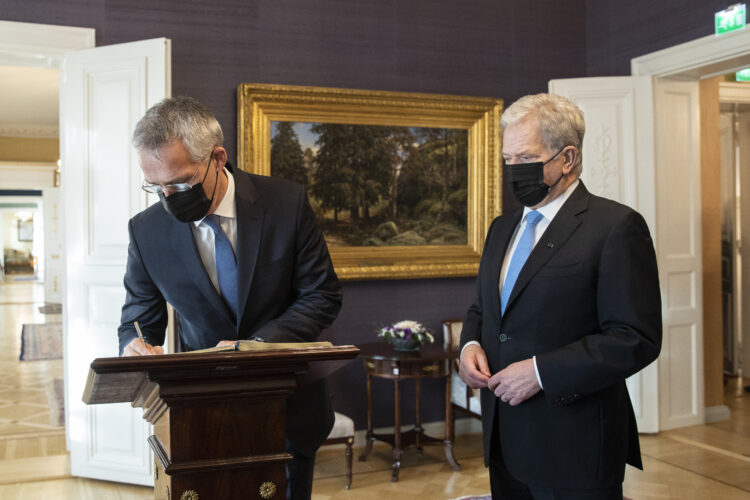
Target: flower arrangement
405 335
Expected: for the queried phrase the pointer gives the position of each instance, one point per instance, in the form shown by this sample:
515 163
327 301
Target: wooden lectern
218 417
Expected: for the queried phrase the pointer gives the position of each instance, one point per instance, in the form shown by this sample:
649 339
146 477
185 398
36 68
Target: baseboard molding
719 413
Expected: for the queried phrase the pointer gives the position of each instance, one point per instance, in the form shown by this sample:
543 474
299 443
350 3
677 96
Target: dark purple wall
474 47
480 48
617 31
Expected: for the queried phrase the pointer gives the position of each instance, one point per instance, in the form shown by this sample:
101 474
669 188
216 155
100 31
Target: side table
431 361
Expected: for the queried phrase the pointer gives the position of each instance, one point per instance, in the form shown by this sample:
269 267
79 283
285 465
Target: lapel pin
550 245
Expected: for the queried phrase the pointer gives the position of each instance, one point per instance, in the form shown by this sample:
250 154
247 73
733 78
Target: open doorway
29 154
734 142
31 395
21 235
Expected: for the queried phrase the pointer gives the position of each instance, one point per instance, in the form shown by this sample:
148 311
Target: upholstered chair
343 433
462 397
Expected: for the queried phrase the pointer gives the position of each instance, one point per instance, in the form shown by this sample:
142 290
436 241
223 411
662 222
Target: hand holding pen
139 347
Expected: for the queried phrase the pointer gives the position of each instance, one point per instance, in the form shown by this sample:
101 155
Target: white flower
411 325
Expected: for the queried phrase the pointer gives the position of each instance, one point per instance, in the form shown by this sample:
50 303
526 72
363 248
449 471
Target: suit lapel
559 231
249 230
502 240
183 245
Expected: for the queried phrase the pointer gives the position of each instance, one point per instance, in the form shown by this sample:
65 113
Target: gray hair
179 118
560 121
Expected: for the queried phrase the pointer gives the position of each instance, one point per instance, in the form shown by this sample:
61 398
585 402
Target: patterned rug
41 341
56 399
51 308
489 497
24 278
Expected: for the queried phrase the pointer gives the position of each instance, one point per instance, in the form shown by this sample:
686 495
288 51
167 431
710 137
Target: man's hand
137 347
474 369
516 383
226 342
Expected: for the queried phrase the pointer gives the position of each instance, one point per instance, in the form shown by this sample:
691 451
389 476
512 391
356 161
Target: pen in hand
144 349
140 333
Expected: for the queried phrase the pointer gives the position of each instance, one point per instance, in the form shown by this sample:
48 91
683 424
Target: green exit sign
743 75
730 19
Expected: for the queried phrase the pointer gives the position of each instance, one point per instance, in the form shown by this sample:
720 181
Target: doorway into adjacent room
734 141
32 432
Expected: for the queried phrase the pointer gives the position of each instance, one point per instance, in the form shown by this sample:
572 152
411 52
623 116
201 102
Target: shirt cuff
471 342
538 378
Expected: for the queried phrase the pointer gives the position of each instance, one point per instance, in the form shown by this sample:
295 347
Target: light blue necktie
226 264
523 250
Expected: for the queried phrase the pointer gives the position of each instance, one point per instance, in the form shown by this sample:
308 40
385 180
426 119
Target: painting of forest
378 185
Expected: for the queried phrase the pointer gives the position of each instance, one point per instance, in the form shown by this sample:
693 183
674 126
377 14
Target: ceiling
29 101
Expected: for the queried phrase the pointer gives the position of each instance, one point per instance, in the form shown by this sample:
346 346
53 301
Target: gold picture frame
261 104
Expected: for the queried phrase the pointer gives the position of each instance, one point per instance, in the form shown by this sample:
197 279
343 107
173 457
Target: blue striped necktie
226 264
523 250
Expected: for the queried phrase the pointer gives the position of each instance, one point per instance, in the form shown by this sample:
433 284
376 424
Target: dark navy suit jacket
587 304
288 290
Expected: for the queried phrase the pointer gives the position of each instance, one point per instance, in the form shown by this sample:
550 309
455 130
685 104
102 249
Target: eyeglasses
178 187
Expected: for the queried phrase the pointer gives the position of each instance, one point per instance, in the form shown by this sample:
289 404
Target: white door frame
40 45
702 58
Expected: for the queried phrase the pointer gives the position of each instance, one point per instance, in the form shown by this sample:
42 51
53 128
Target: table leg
397 447
449 424
369 438
418 417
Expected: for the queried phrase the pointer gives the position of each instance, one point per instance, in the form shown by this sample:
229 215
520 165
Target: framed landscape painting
404 185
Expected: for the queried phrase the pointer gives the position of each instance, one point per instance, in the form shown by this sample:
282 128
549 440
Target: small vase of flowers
405 335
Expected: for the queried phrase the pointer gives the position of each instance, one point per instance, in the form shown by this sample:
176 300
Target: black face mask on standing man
190 205
527 181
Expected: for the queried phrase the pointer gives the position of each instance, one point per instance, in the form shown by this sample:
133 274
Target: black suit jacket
288 290
587 304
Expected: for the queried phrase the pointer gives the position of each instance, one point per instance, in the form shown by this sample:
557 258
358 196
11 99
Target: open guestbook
256 345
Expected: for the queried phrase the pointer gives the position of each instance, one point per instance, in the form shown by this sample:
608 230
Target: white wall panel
114 95
681 290
53 242
105 303
682 372
116 450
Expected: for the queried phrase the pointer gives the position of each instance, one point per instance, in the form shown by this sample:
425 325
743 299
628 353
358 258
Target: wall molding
27 175
719 413
702 58
734 92
29 131
41 45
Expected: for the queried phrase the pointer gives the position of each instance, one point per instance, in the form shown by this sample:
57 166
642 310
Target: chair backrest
452 336
452 333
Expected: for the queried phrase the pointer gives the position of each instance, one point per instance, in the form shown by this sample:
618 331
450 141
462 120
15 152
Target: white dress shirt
204 235
548 211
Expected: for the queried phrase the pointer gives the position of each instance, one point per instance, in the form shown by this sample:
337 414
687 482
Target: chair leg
349 443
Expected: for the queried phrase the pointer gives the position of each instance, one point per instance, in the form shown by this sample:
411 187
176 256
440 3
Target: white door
679 250
629 130
53 245
104 91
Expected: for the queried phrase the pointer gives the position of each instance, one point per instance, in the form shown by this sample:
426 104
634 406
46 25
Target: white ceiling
29 101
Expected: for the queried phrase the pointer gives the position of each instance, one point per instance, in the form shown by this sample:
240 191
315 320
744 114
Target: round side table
431 361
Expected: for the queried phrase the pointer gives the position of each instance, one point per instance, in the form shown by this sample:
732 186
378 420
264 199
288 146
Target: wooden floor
706 462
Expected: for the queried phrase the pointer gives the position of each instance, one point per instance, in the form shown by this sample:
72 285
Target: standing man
568 307
237 255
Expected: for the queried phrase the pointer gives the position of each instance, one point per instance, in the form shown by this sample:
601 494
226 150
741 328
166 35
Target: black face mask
527 181
190 205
